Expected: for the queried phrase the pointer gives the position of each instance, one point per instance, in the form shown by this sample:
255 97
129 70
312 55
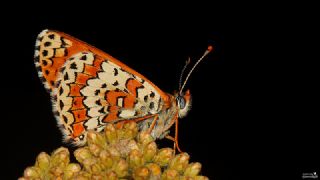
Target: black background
254 98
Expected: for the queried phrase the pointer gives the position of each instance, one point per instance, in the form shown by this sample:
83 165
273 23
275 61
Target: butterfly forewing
89 88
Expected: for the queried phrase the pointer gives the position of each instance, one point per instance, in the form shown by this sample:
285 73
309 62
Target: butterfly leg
175 139
121 123
153 123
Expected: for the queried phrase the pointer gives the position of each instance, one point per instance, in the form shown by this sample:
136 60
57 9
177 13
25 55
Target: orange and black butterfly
90 88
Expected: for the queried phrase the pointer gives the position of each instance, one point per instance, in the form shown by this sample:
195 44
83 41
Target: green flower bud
32 173
43 161
111 133
163 156
149 151
135 159
179 162
82 153
106 159
71 170
170 174
192 169
155 170
97 139
111 176
144 138
141 173
121 168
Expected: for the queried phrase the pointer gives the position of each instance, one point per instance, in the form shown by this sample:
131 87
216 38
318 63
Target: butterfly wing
90 88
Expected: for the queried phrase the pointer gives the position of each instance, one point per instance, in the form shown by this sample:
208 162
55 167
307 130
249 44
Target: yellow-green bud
71 170
163 156
144 138
106 159
121 168
170 174
32 172
135 159
43 161
60 158
111 133
141 173
154 169
179 162
82 153
192 169
149 151
111 175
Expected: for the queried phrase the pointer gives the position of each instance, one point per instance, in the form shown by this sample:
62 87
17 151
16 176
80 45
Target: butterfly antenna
182 72
210 48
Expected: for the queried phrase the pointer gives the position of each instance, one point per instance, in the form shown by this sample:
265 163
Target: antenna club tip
210 48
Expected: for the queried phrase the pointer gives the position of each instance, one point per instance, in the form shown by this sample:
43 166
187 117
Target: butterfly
89 89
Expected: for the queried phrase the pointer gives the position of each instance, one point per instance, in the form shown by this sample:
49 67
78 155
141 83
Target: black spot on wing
73 66
46 72
66 77
101 110
52 83
46 44
65 119
61 104
63 42
115 70
151 105
44 53
104 85
84 57
145 98
44 62
98 102
60 91
152 94
116 83
97 92
51 36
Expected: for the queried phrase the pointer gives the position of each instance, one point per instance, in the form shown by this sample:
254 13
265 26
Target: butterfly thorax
166 118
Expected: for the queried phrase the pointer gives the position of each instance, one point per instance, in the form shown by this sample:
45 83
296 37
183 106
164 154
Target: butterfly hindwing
89 88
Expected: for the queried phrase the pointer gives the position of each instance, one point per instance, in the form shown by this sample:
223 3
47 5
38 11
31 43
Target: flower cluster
116 153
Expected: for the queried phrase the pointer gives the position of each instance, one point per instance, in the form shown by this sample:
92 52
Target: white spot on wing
91 101
94 111
120 101
127 113
92 123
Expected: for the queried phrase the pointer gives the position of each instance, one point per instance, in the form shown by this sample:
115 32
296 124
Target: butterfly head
183 101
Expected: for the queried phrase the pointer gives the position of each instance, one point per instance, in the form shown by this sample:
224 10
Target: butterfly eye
181 102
